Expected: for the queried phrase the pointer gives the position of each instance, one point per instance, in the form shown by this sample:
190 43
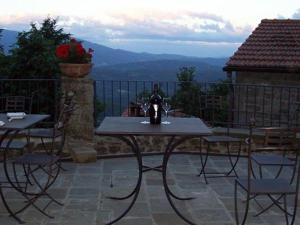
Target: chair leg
293 215
236 207
233 164
203 162
294 169
285 208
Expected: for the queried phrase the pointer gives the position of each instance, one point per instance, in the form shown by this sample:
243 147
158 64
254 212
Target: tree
34 54
1 46
4 60
221 88
187 97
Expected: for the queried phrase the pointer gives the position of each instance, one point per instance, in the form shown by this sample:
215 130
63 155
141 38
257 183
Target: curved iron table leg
169 194
5 135
134 145
167 151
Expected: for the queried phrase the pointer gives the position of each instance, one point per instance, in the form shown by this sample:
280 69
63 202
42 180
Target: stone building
265 71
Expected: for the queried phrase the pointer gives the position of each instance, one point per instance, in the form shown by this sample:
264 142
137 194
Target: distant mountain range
117 64
162 70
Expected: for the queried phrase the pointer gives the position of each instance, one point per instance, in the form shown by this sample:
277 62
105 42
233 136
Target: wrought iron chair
16 104
274 188
278 141
58 129
212 103
45 162
209 107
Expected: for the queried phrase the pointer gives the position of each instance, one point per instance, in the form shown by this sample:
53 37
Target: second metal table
178 131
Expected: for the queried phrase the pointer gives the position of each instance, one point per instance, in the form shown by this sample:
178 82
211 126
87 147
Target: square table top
133 126
20 124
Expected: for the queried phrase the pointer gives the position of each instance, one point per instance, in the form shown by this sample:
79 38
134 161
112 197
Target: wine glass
166 107
145 105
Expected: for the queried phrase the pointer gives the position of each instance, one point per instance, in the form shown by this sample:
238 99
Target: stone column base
82 151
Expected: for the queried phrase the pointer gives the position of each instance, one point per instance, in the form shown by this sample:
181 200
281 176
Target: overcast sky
210 28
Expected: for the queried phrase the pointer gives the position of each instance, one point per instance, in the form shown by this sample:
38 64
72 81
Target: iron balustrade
218 103
46 94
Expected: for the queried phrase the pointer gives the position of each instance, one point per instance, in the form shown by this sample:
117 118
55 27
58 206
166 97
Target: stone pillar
80 130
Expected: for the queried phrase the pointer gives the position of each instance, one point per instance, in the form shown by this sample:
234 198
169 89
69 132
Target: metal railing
45 93
217 103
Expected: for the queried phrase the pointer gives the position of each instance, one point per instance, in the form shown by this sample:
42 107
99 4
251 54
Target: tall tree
4 60
1 46
34 52
187 97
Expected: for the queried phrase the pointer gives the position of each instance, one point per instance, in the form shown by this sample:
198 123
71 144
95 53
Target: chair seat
41 159
274 148
267 186
22 133
45 133
271 160
225 139
15 144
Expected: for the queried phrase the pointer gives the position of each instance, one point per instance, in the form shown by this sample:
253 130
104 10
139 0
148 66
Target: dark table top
20 124
132 126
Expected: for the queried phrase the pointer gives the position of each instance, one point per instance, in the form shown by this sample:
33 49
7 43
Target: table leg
131 141
4 136
170 148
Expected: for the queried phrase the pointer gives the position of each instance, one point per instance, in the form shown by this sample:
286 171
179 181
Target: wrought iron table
178 131
11 130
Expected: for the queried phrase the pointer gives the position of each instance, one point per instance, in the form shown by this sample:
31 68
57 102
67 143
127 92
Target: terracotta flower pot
75 70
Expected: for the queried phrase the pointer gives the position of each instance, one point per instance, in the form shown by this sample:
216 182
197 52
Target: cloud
172 26
157 29
296 15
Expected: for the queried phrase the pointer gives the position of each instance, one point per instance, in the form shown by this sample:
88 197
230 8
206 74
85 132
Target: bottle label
155 106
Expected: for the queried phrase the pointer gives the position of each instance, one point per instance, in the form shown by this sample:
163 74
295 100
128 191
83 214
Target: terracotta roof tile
273 44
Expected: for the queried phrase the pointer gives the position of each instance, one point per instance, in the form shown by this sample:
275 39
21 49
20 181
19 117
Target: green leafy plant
34 53
33 57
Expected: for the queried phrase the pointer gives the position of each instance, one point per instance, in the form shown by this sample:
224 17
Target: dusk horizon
190 28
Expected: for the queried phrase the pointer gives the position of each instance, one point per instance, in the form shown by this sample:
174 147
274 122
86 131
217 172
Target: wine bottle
155 106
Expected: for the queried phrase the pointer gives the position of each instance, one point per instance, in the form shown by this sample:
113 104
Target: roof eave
262 69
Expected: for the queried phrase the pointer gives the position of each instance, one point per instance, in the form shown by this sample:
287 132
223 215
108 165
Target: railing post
231 99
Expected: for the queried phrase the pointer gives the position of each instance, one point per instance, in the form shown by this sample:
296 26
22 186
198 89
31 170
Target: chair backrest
210 107
16 103
279 137
250 142
211 101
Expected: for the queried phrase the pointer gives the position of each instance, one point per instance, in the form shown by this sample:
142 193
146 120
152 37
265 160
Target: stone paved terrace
83 189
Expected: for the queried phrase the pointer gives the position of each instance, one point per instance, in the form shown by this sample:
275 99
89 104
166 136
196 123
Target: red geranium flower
73 52
80 50
62 51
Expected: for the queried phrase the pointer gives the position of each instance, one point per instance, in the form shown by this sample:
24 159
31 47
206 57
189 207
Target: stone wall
112 146
81 125
272 104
